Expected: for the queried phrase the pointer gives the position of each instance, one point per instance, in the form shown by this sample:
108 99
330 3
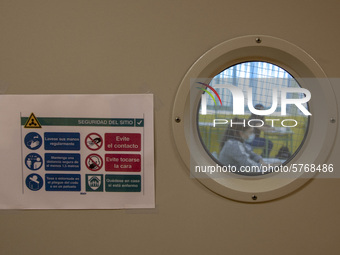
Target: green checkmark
139 122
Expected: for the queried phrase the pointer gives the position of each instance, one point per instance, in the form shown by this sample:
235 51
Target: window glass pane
256 139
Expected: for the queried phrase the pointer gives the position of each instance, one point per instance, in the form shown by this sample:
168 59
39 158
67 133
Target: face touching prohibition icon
94 162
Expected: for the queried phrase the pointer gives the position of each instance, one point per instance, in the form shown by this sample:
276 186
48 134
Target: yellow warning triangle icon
32 122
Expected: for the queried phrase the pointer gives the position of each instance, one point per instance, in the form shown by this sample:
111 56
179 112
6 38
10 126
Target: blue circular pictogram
33 161
33 141
34 182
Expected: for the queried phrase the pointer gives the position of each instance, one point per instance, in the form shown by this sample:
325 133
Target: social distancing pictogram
33 161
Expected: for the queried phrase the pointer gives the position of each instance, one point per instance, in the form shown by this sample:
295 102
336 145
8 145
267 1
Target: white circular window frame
322 127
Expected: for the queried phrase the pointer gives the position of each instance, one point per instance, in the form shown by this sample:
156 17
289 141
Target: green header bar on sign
99 122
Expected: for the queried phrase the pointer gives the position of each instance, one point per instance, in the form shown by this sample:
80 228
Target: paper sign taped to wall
76 152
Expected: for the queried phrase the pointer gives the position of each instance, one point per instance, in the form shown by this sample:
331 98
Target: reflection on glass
257 139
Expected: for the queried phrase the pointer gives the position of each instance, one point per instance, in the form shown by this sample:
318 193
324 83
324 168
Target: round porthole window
251 139
248 104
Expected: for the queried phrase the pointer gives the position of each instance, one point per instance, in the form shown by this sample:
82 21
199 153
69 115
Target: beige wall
147 46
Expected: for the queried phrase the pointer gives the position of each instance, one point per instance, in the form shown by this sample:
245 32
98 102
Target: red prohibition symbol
94 162
93 141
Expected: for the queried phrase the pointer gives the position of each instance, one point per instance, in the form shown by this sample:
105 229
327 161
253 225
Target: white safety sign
77 152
